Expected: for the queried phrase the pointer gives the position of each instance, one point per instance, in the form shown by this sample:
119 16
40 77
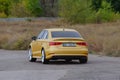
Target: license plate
69 44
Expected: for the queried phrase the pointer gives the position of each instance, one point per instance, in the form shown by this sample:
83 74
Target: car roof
60 29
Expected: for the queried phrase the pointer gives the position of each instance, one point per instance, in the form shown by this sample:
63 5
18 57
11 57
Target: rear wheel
31 59
43 57
83 60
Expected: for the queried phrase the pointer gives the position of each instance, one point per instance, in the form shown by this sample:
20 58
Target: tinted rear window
56 34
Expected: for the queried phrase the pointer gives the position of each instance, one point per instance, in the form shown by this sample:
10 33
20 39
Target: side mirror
34 38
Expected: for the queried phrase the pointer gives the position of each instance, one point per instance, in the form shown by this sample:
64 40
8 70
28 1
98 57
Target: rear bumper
67 57
66 53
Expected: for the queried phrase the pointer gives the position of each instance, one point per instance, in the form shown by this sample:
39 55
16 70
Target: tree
25 8
4 7
34 7
18 9
50 7
96 4
115 5
75 11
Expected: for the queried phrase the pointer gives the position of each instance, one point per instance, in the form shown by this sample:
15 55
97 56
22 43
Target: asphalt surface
27 19
15 66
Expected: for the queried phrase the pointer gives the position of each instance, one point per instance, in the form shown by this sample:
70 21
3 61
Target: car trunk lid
68 42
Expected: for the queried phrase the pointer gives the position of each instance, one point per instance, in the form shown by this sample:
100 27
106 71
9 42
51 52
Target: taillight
82 43
54 43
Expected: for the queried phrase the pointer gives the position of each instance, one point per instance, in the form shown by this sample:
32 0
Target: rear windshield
57 34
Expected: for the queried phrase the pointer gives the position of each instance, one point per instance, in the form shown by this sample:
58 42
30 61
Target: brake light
54 43
82 43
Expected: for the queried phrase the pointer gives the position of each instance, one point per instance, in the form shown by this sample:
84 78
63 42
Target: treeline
28 8
74 11
90 11
20 8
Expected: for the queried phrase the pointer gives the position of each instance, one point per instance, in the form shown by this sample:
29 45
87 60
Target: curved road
15 66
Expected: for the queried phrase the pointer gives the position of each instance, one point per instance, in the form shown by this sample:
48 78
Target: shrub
74 11
33 7
18 10
79 11
4 8
25 8
3 15
106 14
21 44
18 42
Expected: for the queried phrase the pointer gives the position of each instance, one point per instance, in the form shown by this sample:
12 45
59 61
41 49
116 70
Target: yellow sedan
53 44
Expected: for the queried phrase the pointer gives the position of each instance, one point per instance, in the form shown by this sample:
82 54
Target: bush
34 7
4 8
18 9
25 8
3 15
17 43
79 11
21 44
106 14
74 11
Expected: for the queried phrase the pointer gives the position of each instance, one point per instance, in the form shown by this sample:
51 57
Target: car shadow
58 62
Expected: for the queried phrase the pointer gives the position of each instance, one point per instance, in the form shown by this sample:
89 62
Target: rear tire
43 58
83 60
31 59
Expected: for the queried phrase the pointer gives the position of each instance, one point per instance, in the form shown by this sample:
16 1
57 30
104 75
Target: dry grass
103 39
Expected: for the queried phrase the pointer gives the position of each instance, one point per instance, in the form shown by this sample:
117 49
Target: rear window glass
56 34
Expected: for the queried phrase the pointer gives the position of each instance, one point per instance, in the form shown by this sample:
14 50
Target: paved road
27 19
14 66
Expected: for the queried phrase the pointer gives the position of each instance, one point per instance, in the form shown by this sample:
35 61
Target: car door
36 45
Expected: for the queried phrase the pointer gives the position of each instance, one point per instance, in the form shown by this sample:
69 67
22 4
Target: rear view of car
64 44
